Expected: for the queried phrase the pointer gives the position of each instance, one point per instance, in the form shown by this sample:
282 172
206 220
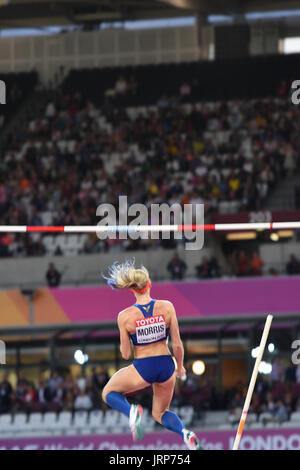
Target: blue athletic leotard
152 329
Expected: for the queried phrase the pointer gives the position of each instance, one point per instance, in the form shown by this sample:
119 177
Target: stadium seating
215 159
295 417
113 422
64 420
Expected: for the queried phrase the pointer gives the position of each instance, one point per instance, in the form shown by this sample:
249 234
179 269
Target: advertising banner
262 439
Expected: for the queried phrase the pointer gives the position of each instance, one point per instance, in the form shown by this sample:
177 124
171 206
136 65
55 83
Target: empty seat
291 424
124 422
225 426
295 416
216 417
50 420
80 419
111 418
251 418
264 417
96 418
256 425
35 420
6 423
64 420
20 422
272 425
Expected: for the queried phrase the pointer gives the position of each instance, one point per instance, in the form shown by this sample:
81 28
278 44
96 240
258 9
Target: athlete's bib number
151 329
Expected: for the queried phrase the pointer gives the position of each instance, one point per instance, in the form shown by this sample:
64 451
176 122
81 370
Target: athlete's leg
162 397
124 381
163 393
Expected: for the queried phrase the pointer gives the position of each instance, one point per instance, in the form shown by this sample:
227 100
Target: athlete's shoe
135 422
191 440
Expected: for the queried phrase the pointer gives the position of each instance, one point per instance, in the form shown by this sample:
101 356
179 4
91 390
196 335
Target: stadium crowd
277 397
70 155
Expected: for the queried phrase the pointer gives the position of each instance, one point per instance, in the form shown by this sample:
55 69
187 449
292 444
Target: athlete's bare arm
177 345
125 345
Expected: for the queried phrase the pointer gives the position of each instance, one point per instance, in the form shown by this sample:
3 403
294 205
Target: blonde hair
127 276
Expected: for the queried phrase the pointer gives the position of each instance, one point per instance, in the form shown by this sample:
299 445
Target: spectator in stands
35 219
41 393
256 405
214 268
59 394
282 89
273 272
289 160
121 85
163 102
132 86
293 266
242 264
281 413
256 264
5 394
29 398
5 242
81 382
185 90
203 269
69 382
208 269
100 378
288 402
22 385
269 409
68 404
36 247
277 373
235 409
83 401
53 276
290 374
190 388
50 110
177 268
55 380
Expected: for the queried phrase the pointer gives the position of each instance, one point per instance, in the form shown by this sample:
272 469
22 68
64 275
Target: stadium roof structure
73 333
246 330
41 13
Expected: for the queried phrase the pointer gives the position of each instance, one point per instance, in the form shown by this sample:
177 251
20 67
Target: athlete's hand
181 372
